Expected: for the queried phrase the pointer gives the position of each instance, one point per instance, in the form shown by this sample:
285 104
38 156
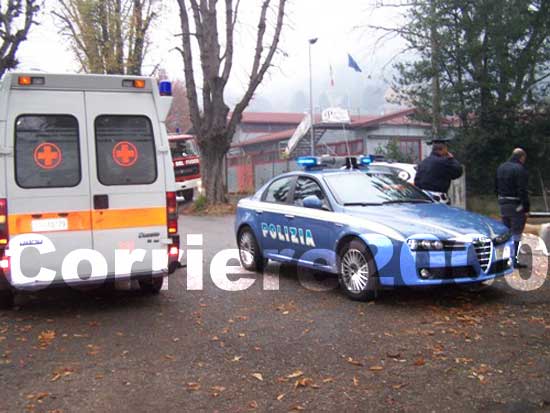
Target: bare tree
108 36
16 19
215 124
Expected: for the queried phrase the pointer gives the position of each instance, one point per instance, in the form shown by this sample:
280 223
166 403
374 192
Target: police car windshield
360 189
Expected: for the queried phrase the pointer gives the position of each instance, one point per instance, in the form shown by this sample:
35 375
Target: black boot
515 259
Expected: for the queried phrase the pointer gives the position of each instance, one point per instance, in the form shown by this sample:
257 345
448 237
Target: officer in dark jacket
513 198
435 173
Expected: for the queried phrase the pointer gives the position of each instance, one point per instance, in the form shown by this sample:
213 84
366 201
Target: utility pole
436 81
311 43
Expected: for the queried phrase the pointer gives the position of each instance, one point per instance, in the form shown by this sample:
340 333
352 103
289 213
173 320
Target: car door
316 228
273 219
126 179
47 181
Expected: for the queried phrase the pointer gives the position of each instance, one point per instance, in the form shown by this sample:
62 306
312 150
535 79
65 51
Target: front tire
151 285
188 195
357 272
7 300
249 251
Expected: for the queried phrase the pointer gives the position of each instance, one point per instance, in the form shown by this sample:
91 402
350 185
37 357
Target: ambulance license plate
50 225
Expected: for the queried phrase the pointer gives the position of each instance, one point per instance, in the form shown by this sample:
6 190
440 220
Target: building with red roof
257 152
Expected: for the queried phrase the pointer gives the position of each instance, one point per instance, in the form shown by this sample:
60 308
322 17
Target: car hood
436 219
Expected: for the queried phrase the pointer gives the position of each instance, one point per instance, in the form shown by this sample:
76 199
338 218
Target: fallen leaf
354 362
281 396
328 380
253 404
376 368
216 390
237 358
45 338
258 376
306 381
62 372
93 349
297 373
192 386
355 381
420 362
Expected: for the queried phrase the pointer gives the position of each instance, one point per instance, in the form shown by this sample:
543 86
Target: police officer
435 173
513 198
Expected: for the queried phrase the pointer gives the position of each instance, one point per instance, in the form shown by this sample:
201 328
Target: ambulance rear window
47 153
125 150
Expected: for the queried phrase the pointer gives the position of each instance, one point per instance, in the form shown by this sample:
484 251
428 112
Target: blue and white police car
371 228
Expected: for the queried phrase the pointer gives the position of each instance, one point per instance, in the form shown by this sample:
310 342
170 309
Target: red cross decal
48 155
125 154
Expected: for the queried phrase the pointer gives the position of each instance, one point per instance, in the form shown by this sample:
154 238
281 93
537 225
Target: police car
372 229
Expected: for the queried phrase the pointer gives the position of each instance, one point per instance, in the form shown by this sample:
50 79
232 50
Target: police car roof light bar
327 161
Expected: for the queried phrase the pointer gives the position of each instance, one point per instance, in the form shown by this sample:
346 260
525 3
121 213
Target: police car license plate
50 225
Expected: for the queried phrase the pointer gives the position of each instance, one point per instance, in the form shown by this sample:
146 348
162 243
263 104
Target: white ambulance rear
87 184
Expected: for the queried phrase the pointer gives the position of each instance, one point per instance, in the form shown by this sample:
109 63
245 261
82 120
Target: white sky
333 22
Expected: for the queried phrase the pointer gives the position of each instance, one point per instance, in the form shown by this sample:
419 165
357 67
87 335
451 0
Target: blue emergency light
307 161
165 88
365 160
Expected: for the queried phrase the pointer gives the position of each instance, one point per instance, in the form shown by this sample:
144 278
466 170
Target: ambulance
87 187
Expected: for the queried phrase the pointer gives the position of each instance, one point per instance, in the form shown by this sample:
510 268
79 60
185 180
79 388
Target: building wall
263 161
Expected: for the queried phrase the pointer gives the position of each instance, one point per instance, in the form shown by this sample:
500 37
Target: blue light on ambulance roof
165 88
307 161
366 160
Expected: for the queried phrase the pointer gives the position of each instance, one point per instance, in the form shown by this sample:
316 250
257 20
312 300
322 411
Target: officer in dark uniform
513 198
435 173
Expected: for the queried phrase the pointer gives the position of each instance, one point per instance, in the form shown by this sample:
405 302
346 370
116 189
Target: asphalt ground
295 349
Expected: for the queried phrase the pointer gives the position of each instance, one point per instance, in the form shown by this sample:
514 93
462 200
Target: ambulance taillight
4 236
3 223
172 213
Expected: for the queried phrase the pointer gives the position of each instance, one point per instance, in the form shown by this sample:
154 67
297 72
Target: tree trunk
212 174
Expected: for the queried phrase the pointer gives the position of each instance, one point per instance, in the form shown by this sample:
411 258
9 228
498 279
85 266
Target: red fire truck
185 156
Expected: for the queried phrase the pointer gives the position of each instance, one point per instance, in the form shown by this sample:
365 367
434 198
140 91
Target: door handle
101 201
289 216
259 212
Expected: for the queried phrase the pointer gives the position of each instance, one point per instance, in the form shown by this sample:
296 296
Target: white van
87 187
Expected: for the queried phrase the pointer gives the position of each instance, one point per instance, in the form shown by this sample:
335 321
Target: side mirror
313 202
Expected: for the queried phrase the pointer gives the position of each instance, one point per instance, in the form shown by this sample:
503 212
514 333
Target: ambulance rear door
127 179
48 186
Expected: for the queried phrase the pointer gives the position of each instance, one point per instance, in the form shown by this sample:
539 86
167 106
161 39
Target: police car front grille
484 249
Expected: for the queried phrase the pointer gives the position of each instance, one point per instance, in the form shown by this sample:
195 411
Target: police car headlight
425 245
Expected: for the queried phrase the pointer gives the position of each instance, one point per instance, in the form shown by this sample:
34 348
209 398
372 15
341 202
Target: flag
353 64
331 77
